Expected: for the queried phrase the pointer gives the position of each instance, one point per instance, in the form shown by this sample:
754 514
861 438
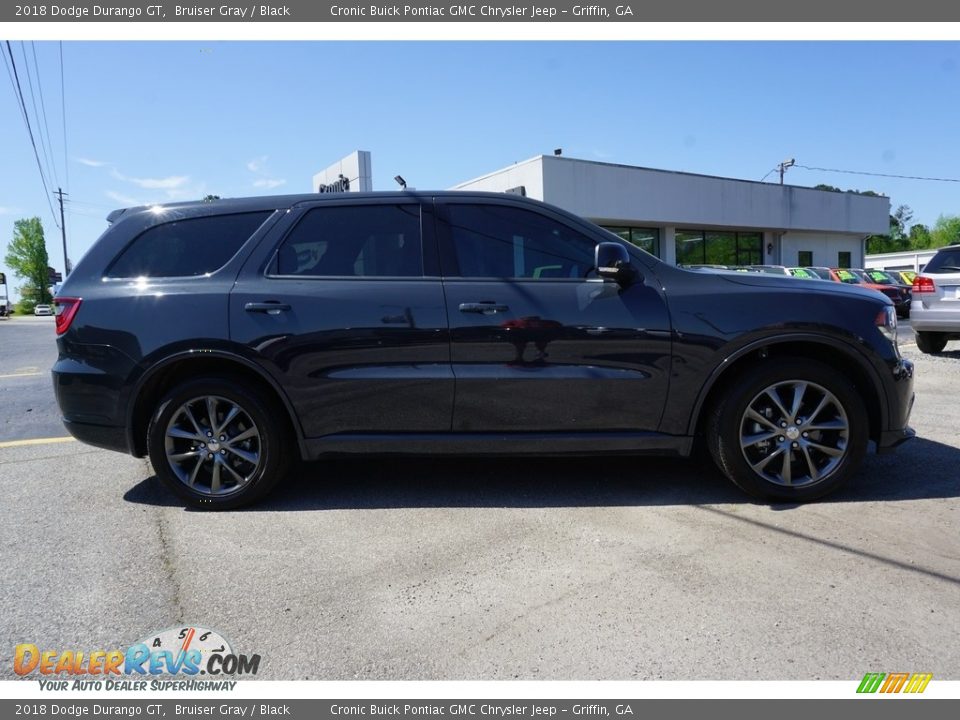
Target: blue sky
161 121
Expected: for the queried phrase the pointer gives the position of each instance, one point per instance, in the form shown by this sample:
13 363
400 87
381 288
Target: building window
644 238
805 258
715 247
843 259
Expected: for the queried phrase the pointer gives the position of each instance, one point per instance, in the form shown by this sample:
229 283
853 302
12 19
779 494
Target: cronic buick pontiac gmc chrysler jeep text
225 339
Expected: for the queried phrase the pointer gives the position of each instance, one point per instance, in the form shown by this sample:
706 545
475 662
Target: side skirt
504 444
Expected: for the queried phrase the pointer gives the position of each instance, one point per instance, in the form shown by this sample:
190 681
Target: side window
356 241
508 242
186 248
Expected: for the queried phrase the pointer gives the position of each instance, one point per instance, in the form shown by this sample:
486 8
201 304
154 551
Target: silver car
43 310
935 314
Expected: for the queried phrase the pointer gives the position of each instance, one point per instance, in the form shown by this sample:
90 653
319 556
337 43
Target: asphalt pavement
427 568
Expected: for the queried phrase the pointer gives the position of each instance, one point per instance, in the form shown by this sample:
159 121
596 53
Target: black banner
481 709
859 11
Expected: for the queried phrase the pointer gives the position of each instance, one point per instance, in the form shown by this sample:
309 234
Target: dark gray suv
227 339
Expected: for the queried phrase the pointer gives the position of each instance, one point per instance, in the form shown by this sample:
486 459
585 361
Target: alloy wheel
213 446
794 433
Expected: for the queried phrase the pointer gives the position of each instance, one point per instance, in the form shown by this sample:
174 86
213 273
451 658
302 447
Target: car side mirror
613 262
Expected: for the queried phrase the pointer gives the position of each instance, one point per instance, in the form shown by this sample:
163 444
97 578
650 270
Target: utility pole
782 167
63 229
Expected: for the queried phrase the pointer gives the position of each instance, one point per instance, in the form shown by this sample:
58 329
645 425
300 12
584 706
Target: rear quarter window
186 248
945 261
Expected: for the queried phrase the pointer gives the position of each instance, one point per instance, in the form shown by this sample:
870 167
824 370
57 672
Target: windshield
845 276
879 277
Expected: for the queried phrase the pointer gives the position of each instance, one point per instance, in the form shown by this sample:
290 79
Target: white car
935 311
43 310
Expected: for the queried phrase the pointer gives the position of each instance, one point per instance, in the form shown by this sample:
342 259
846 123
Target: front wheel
789 430
931 342
217 444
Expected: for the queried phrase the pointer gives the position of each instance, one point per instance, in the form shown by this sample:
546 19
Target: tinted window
186 247
354 240
506 242
944 261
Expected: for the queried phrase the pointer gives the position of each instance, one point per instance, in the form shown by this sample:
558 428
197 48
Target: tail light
66 308
923 284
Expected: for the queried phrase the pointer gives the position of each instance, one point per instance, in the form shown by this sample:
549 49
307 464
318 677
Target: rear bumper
929 320
101 436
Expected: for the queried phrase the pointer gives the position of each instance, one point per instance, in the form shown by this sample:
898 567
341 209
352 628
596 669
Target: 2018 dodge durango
225 339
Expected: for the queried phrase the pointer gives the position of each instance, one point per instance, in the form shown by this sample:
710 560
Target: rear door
538 342
345 308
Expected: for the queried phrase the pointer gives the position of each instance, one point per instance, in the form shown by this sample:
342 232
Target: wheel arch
194 363
826 350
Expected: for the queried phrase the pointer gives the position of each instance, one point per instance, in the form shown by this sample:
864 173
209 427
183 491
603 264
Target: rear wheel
931 342
789 430
217 444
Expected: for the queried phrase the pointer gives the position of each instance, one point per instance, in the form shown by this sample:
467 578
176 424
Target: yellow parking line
29 374
36 441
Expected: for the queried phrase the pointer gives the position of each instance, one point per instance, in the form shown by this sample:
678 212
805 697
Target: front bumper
900 396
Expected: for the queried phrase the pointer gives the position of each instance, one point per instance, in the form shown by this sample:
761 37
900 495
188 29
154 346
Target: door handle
270 308
483 308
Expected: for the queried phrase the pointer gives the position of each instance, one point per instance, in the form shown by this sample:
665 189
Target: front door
538 342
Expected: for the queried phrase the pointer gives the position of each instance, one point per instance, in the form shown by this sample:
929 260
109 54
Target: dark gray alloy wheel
219 444
212 445
789 429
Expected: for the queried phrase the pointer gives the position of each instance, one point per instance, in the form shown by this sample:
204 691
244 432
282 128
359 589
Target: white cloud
168 183
8 210
268 183
124 200
90 163
258 167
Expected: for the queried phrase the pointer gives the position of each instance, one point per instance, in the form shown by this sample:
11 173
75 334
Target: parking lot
428 569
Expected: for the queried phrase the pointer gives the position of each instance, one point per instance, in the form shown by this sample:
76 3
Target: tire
931 342
192 461
825 441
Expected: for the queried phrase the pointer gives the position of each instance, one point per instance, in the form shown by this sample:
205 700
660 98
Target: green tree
27 257
210 198
919 238
895 240
946 231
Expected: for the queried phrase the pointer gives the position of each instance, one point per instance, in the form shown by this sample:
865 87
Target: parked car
43 310
904 276
772 269
804 273
821 272
225 339
936 308
855 276
900 293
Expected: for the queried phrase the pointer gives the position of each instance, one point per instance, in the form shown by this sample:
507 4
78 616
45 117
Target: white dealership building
682 217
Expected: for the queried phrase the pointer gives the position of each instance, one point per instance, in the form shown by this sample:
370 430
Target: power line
63 115
43 110
768 174
36 114
26 120
875 174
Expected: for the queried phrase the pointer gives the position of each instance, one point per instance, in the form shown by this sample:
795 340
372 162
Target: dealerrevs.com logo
178 651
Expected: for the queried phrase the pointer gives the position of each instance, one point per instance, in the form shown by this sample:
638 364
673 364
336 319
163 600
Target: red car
900 295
